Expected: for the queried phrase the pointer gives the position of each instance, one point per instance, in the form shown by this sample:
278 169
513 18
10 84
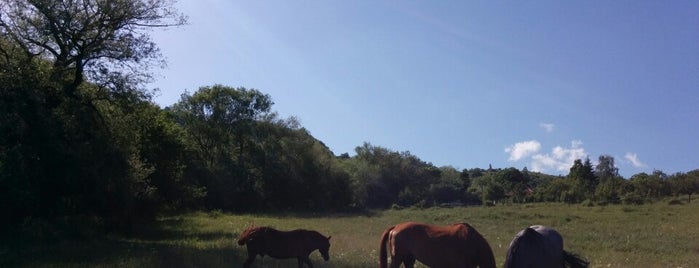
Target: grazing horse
542 247
457 245
283 244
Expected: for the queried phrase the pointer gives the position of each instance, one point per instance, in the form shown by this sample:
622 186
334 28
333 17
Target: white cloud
523 149
633 158
547 126
560 159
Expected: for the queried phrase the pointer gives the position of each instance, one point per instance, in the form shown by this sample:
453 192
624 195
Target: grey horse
541 247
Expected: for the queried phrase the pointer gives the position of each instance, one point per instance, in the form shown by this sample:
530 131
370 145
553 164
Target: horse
456 245
283 244
540 246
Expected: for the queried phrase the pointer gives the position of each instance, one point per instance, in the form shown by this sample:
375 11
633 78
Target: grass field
653 235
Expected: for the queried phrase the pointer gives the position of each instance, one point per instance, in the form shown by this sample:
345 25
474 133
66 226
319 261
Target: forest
82 137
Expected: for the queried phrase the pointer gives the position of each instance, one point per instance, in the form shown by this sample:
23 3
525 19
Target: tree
162 146
605 169
584 181
609 184
220 122
451 186
690 184
25 125
610 191
74 71
296 171
650 187
382 177
682 183
219 119
555 190
105 41
514 183
489 187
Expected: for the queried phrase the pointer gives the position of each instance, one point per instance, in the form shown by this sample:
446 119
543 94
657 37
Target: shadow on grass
164 243
161 244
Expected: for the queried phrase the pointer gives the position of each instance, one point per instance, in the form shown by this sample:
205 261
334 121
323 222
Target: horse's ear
329 237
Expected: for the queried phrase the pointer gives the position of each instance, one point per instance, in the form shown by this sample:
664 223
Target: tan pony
457 245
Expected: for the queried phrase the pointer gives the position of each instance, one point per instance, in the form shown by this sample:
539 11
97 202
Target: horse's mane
249 233
528 238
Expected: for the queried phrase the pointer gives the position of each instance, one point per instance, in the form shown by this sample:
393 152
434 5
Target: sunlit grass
655 235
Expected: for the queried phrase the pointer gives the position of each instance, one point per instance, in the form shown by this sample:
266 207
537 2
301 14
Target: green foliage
251 160
381 177
584 181
610 190
605 169
105 41
73 116
650 187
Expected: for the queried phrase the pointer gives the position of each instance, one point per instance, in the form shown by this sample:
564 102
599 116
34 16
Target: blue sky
463 83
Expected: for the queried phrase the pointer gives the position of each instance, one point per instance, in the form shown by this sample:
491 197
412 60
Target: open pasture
654 235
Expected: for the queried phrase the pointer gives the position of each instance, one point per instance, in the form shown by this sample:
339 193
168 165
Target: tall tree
605 168
514 183
690 184
650 186
105 41
382 177
584 180
681 183
71 64
220 121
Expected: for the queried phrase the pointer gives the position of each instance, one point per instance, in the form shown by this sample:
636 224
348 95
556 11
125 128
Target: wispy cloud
560 159
523 149
633 158
547 126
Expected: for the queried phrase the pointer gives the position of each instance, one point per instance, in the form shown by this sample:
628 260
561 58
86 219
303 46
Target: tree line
82 137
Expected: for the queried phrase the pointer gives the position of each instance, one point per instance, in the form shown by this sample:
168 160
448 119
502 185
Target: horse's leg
251 258
301 260
409 261
395 262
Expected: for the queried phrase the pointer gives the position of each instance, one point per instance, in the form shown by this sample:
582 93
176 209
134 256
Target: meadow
651 235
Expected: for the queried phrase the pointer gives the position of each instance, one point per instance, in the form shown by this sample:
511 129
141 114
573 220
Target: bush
632 199
588 203
675 202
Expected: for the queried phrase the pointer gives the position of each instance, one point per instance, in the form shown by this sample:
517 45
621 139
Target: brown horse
283 244
457 245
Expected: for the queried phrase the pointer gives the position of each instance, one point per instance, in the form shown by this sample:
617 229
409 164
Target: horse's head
324 247
246 235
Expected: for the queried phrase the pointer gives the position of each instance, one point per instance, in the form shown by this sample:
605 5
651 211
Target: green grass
654 235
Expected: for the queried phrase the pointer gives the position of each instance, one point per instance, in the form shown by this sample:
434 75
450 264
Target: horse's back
283 244
535 246
455 245
552 238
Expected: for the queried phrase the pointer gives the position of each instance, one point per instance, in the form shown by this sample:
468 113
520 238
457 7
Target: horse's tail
383 263
574 261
